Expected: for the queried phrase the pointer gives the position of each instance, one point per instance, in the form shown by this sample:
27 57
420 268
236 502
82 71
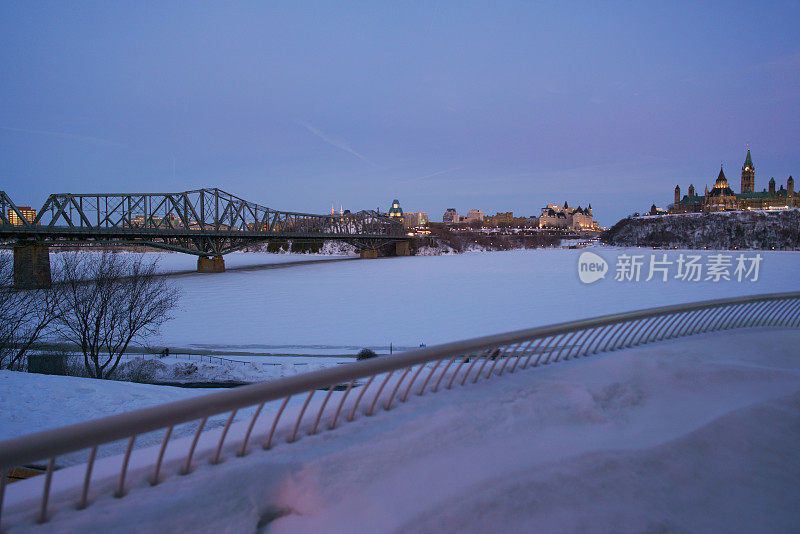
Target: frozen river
336 308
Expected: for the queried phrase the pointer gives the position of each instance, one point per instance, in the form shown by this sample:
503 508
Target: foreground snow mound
694 435
736 474
32 402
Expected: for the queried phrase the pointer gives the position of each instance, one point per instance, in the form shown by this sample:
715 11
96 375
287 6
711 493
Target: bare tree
25 316
110 301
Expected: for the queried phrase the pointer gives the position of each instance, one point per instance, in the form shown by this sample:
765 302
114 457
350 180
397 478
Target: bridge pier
32 267
402 248
369 254
210 265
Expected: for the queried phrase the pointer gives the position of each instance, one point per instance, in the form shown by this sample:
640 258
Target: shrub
365 354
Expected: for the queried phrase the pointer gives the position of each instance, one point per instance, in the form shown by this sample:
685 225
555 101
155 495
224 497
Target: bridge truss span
204 222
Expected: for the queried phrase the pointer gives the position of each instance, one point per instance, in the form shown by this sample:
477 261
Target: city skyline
501 108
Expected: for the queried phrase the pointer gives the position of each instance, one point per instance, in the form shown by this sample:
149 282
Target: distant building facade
500 219
450 216
413 219
27 212
474 215
567 218
655 210
723 198
396 212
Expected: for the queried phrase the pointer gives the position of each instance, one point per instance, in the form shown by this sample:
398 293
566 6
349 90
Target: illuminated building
415 219
396 212
722 197
500 219
555 216
26 211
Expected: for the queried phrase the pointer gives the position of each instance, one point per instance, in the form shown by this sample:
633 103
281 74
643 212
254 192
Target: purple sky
497 105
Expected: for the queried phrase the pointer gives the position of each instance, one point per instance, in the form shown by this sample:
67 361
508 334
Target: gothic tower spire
748 175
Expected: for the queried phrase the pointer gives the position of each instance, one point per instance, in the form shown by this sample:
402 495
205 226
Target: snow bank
437 250
693 435
337 248
195 370
32 402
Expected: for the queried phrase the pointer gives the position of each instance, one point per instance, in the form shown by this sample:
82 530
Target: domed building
396 212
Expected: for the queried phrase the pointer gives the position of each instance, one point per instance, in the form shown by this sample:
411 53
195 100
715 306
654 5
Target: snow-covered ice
428 299
174 262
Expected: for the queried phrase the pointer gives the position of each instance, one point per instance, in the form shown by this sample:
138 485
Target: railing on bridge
202 222
362 388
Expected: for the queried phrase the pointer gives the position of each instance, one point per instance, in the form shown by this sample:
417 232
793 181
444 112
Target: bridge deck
202 222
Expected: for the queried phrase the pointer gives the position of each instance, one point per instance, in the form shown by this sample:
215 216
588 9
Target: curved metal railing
379 383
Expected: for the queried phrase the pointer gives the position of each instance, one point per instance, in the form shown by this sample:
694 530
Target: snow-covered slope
33 402
693 435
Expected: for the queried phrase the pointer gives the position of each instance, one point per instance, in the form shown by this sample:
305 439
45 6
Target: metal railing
378 383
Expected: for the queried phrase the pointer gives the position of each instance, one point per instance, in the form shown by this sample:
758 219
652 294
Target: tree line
100 302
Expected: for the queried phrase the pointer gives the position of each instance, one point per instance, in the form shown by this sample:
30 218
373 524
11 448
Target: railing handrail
59 441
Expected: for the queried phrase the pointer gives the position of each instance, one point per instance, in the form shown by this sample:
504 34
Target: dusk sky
500 106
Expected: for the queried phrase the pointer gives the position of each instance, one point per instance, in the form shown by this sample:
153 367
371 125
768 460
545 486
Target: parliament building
722 198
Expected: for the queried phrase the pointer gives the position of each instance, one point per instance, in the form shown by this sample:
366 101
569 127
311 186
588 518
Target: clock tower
748 175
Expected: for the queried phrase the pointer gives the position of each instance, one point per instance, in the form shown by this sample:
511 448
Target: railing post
48 479
3 476
84 502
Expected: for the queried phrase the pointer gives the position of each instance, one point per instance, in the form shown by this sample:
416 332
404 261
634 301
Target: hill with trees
722 230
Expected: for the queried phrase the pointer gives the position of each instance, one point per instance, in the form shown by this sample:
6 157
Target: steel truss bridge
204 222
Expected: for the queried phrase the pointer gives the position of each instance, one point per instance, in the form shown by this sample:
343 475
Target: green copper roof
395 210
748 162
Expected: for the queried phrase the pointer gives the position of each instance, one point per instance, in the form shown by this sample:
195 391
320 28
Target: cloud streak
335 143
431 175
